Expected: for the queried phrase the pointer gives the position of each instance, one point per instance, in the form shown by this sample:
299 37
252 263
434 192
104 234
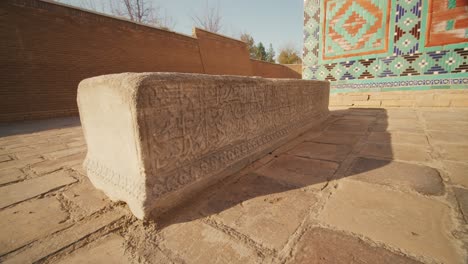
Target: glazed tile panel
361 45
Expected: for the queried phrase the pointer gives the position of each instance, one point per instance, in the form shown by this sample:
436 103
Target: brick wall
273 70
47 49
223 55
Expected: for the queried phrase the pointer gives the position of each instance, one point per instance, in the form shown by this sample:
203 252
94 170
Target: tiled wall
386 45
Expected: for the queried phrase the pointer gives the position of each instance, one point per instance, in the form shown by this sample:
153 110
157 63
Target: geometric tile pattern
346 43
354 27
407 27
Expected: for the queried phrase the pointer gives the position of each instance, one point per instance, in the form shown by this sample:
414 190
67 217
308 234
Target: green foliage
250 43
261 52
289 56
270 55
258 51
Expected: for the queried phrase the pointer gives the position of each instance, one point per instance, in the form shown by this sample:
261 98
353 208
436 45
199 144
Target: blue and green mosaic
385 44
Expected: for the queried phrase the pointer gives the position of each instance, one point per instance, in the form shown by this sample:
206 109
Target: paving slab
60 240
448 137
269 217
397 138
109 249
323 151
27 189
87 198
11 175
320 245
422 179
336 138
396 151
29 221
4 158
455 152
197 242
410 222
462 197
48 166
19 164
457 171
298 171
347 128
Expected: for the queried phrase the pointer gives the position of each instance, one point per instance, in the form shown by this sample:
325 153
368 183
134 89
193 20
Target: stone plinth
156 139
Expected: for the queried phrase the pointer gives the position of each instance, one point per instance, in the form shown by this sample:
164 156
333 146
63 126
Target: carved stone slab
156 139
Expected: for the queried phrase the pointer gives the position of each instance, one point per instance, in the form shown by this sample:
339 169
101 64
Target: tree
250 44
210 19
270 54
141 11
260 52
289 55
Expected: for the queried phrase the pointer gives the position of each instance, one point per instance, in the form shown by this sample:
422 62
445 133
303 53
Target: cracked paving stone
11 175
60 240
397 152
448 137
88 199
458 172
320 245
415 224
197 242
455 152
27 189
462 198
422 179
321 151
299 171
18 164
336 138
261 209
109 249
29 221
397 138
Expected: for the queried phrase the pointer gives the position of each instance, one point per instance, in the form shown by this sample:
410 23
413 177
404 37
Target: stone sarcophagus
156 139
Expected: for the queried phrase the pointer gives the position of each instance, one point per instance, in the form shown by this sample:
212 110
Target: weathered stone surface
57 241
448 137
18 164
347 128
327 246
396 151
155 139
109 249
86 198
53 165
299 171
322 151
197 242
457 171
422 179
462 198
11 175
398 138
335 138
4 158
261 208
27 189
456 152
30 221
413 223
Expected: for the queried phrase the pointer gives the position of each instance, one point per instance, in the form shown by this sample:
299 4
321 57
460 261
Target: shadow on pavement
307 163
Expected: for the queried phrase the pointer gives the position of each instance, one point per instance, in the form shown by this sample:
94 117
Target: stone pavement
370 186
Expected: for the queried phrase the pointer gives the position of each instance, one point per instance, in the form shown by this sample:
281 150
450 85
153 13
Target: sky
279 22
